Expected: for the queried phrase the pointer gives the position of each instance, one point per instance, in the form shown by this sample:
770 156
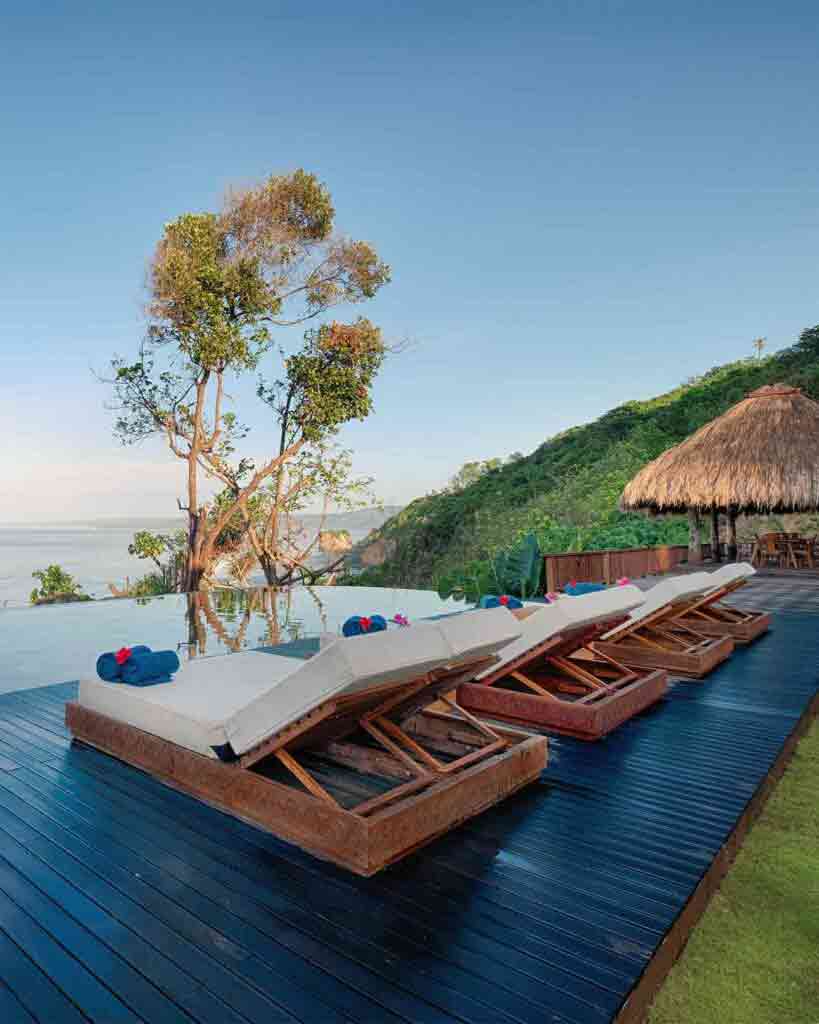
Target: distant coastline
95 551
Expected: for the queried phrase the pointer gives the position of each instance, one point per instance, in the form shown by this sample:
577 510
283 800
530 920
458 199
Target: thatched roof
760 456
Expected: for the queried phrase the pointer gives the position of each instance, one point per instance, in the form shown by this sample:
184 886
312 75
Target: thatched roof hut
762 455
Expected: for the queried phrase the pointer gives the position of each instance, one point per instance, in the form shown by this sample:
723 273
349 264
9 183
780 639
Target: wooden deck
121 900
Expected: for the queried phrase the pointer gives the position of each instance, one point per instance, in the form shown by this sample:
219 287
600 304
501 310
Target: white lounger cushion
479 633
672 591
549 620
196 709
240 699
731 572
603 604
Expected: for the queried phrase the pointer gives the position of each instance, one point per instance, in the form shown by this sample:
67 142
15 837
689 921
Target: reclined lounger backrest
667 592
478 634
692 586
565 615
358 663
731 572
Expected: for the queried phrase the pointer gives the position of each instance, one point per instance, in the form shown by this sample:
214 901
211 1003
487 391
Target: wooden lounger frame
660 640
569 686
429 795
709 617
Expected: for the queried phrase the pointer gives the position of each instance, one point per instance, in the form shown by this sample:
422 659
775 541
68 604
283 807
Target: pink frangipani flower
122 655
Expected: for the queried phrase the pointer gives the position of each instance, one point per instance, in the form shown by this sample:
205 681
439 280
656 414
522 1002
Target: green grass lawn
754 956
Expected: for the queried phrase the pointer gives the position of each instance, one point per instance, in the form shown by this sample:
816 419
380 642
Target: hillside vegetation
566 491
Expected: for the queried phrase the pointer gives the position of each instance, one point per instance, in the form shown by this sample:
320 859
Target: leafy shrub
56 585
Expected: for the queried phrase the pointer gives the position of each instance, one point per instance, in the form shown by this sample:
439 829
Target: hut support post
694 540
715 550
732 535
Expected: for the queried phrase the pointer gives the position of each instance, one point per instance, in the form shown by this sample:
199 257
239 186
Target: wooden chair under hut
760 457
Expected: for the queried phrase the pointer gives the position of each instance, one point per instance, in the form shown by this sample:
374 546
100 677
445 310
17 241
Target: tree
148 545
170 571
56 585
327 383
321 476
759 345
471 472
220 283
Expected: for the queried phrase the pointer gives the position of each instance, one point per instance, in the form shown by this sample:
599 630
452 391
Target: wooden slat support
366 760
282 738
387 732
374 727
624 670
646 642
304 777
376 803
541 691
379 736
480 726
578 673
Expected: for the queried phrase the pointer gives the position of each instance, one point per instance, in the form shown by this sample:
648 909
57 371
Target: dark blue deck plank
547 907
136 877
279 928
6 762
222 982
12 1010
408 897
34 988
459 982
231 853
635 906
586 914
29 930
518 959
146 980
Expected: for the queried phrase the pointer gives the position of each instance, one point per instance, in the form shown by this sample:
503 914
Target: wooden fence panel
613 564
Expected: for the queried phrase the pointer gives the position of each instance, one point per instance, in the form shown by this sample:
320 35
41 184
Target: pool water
56 643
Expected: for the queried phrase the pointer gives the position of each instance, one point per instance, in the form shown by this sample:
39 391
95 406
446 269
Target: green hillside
566 491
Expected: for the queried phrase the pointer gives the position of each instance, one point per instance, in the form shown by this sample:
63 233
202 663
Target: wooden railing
613 564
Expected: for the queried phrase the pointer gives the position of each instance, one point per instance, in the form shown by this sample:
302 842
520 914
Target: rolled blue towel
109 669
361 625
149 667
491 601
579 589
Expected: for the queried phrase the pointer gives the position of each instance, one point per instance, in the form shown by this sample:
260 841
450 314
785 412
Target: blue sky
582 203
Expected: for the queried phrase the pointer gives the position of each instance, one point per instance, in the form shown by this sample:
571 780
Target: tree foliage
168 552
471 472
220 284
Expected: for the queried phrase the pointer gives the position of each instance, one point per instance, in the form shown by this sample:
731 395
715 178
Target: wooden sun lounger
708 616
565 684
661 640
361 780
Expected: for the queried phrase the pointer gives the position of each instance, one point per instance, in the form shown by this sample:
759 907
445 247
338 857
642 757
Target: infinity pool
56 643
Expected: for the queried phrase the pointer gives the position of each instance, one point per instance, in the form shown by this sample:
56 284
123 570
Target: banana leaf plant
516 571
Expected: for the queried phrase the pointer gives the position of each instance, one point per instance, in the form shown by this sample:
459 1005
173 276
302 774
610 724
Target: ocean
95 552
